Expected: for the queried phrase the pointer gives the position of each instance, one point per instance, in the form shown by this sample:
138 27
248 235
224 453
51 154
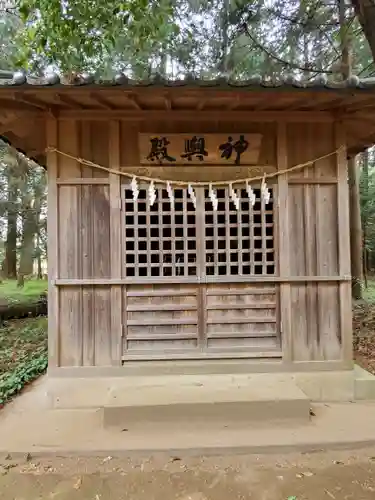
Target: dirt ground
340 475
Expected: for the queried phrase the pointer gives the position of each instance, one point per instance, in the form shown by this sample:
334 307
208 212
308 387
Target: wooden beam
312 180
194 116
195 280
80 181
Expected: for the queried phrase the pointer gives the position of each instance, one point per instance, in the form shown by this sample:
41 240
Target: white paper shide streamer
234 197
213 197
192 195
250 194
135 189
170 192
152 193
264 192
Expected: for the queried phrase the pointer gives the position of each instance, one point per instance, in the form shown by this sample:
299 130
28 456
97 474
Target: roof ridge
21 78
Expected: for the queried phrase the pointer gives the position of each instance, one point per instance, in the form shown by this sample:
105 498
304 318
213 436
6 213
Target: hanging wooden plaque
200 149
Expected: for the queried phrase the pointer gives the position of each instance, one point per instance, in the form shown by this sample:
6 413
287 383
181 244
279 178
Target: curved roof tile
19 79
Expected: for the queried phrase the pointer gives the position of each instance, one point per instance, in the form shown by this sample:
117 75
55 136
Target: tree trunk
365 214
28 235
10 261
365 12
355 230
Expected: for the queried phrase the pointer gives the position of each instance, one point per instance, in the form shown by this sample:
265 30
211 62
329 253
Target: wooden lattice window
160 240
239 242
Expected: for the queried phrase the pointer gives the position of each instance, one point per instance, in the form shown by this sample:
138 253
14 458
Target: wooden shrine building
203 263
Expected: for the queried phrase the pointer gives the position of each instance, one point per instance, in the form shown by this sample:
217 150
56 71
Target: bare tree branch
244 29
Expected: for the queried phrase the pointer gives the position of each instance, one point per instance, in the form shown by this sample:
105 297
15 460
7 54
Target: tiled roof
321 82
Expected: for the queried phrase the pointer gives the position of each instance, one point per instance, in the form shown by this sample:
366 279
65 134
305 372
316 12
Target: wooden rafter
133 100
168 102
69 101
234 103
366 103
31 101
102 101
202 104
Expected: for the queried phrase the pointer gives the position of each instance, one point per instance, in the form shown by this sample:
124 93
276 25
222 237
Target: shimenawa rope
186 183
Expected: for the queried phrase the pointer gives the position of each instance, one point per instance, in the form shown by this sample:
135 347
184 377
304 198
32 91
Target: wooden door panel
169 241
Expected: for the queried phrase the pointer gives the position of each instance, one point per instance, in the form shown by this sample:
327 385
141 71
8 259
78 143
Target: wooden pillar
284 250
115 236
346 326
52 243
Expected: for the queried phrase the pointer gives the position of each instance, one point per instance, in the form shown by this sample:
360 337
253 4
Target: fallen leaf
8 457
307 474
107 459
312 413
175 459
331 495
9 466
78 483
292 498
28 457
337 462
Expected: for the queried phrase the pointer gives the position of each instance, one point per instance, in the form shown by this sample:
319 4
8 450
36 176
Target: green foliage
205 37
369 292
20 340
77 35
23 354
24 373
30 292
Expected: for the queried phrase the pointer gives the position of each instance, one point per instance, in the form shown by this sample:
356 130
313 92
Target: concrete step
241 399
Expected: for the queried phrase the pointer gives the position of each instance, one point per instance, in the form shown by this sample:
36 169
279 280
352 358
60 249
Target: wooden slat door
189 298
241 317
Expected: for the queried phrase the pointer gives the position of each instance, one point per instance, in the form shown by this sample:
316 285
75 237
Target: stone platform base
194 414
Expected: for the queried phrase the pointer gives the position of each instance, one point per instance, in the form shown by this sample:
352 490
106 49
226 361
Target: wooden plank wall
86 224
312 325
